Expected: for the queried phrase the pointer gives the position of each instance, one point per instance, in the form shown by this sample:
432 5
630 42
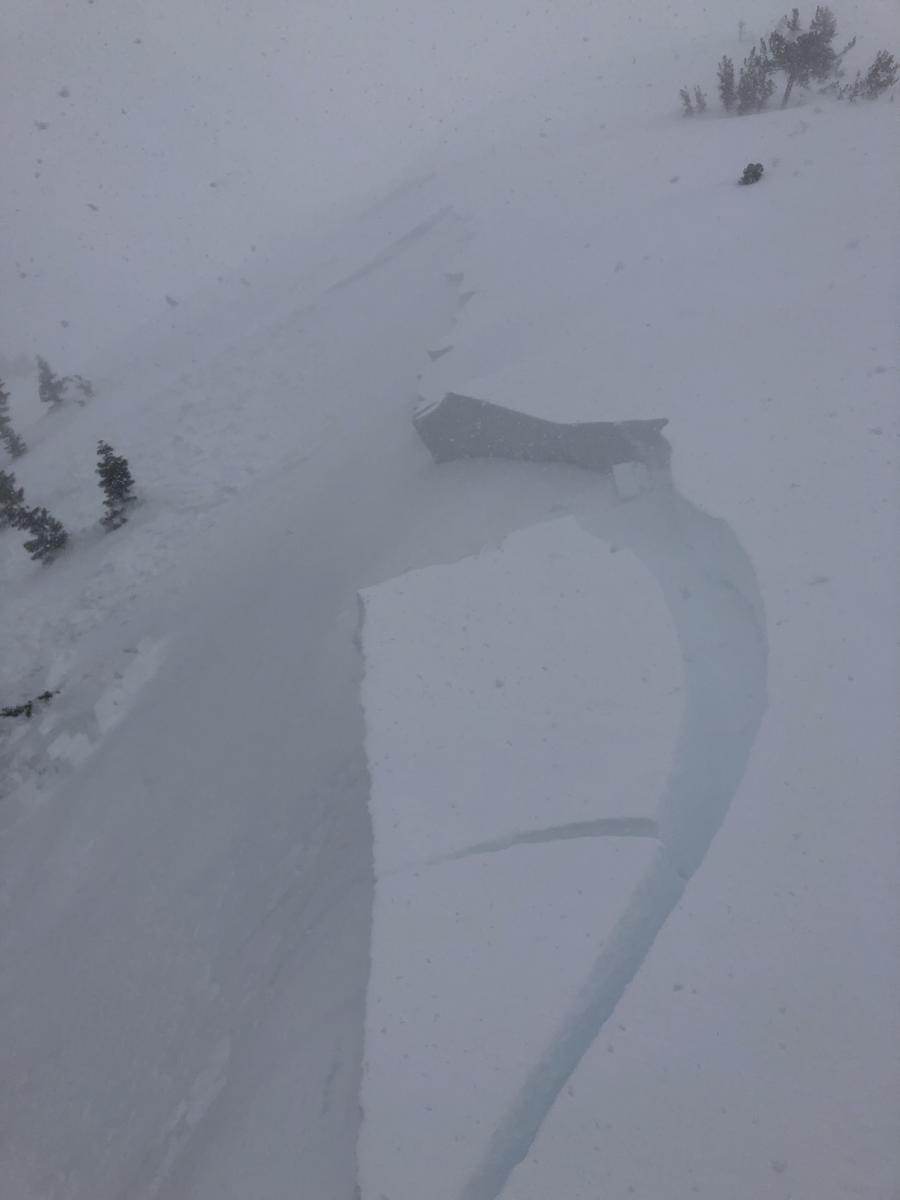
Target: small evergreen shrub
51 388
48 536
8 436
117 483
11 498
55 390
691 104
727 85
755 82
881 75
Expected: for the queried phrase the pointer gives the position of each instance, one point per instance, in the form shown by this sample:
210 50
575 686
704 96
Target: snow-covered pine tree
11 498
755 83
48 536
51 388
727 88
117 483
8 436
881 75
806 54
687 104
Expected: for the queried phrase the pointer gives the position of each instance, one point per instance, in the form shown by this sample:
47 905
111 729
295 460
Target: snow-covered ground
487 830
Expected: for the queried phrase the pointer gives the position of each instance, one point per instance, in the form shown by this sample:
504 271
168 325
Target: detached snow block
464 427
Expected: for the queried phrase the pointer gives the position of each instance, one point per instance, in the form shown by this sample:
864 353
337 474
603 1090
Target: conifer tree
727 89
8 436
755 83
11 498
117 483
687 104
881 75
806 54
48 536
700 99
51 388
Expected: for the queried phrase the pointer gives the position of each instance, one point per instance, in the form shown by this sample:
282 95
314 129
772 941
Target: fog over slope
201 130
420 815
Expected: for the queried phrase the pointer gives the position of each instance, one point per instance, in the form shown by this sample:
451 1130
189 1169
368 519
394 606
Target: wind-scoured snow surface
489 830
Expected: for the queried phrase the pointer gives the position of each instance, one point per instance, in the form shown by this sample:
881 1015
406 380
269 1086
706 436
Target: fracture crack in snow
614 969
603 827
710 588
445 214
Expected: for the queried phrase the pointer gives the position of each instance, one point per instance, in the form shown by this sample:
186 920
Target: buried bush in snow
752 173
27 709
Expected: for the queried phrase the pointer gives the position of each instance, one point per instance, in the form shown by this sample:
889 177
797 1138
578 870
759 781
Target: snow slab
474 963
534 686
521 712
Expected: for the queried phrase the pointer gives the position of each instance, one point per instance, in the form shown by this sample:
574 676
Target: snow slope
789 446
573 982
